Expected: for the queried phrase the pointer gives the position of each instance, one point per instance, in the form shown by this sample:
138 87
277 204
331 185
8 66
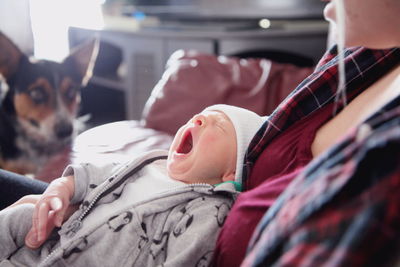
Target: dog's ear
10 56
83 58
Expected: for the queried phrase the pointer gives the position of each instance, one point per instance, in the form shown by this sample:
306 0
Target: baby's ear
229 177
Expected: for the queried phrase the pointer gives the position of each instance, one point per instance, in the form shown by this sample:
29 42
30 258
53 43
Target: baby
161 208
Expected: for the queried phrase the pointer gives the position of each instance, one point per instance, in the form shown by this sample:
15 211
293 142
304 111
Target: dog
39 103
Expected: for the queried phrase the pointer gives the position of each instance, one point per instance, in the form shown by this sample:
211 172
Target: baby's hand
50 210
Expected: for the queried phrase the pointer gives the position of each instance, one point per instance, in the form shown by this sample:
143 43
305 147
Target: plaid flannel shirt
344 208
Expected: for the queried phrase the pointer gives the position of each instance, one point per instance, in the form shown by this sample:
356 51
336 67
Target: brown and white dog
39 101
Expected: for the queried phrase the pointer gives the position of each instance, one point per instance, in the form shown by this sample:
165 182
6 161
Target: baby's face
204 150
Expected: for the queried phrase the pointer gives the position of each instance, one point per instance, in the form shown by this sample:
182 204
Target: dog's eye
38 95
71 92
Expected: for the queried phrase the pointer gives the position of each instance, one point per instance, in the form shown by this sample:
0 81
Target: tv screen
228 9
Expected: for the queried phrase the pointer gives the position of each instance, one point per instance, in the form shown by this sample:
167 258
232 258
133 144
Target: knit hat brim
246 124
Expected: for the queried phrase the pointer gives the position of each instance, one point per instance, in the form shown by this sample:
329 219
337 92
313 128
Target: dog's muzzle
63 129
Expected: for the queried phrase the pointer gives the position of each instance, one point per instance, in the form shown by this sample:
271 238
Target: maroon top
276 167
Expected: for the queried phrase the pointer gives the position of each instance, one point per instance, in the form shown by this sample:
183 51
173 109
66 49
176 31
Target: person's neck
358 110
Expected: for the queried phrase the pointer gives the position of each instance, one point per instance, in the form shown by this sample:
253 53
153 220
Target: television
226 9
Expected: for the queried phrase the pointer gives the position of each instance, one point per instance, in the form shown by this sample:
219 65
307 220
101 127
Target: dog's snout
63 130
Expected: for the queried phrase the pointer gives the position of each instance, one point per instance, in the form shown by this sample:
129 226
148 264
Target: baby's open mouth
186 144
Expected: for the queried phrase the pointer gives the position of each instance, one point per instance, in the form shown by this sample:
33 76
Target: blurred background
138 36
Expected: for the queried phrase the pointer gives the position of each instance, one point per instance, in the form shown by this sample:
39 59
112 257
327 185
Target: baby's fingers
56 204
43 216
31 239
39 218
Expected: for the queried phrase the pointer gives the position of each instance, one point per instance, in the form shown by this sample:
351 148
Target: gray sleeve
89 175
192 241
15 223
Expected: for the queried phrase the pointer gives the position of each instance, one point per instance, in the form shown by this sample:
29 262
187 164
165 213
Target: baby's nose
199 120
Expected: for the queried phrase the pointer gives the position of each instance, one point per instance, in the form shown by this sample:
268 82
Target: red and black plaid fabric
344 208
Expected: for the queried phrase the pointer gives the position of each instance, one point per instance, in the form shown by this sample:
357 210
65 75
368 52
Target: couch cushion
193 81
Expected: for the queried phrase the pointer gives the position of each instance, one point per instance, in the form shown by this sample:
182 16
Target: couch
191 82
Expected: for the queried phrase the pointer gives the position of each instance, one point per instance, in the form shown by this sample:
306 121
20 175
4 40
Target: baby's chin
169 169
172 174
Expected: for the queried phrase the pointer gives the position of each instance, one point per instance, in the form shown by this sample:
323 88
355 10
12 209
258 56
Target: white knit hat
246 124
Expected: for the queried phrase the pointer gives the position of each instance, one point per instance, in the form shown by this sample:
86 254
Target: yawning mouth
186 144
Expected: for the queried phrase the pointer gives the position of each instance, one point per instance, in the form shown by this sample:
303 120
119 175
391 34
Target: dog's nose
63 130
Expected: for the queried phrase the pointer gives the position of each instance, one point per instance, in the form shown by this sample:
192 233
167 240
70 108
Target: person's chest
357 111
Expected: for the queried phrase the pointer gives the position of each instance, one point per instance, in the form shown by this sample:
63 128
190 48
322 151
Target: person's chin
330 12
